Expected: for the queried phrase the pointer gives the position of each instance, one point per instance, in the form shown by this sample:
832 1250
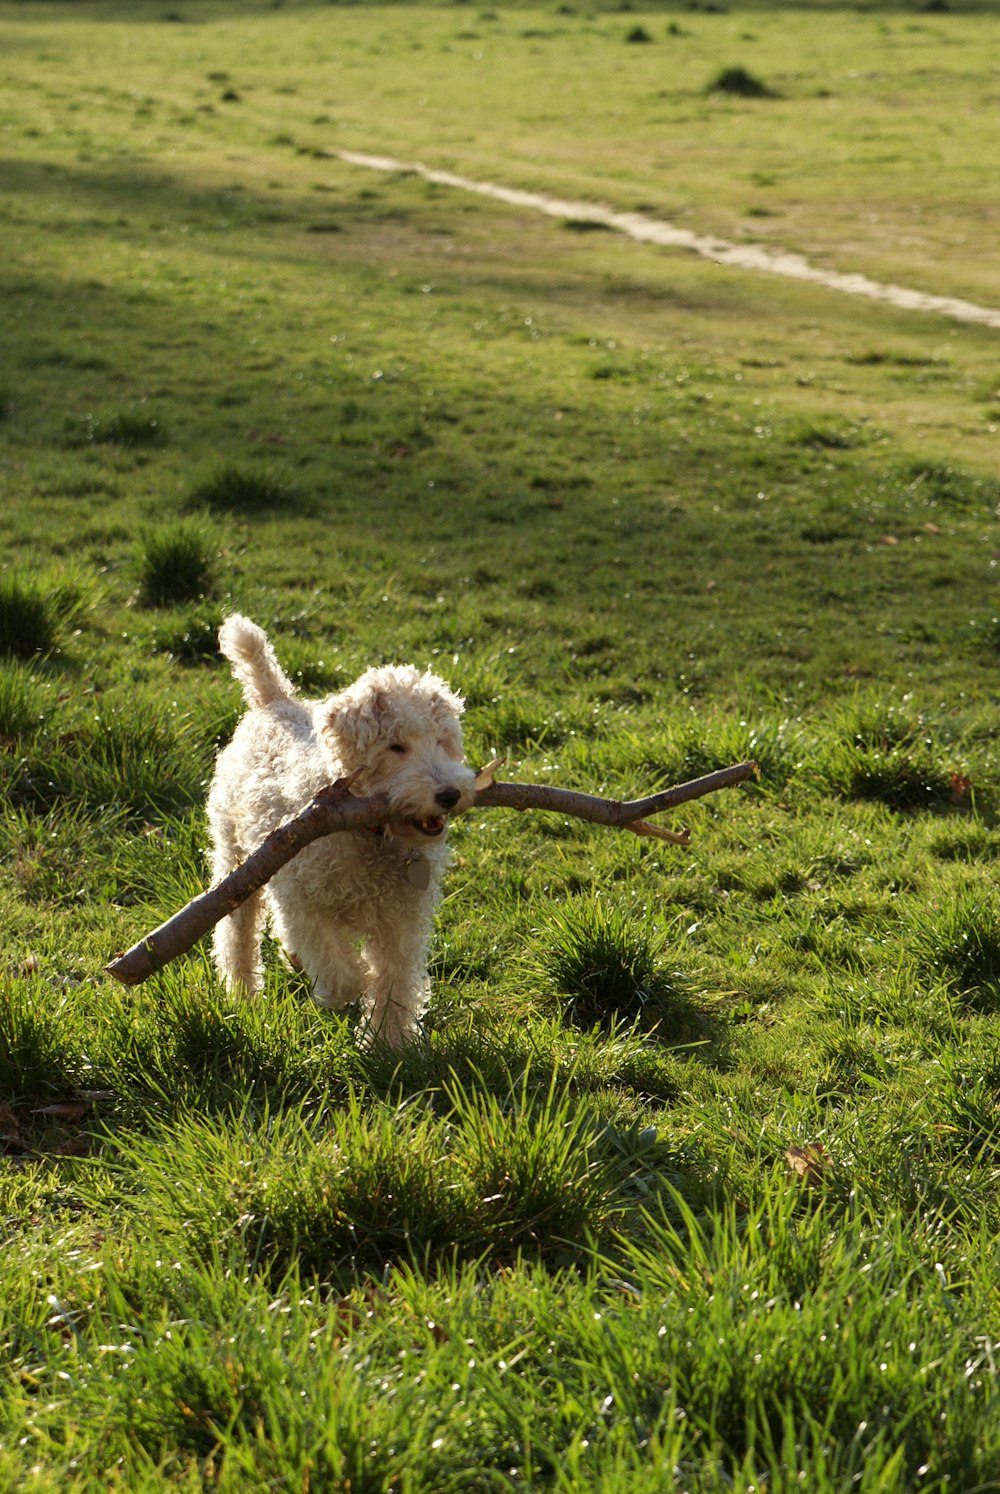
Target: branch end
484 778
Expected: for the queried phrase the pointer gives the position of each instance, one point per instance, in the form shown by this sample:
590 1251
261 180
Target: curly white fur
354 909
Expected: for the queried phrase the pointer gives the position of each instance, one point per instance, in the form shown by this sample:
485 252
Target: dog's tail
254 662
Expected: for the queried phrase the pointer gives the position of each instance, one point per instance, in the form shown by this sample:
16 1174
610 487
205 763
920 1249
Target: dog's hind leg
236 940
236 946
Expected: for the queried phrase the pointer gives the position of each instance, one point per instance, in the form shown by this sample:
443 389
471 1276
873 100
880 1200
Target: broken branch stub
334 810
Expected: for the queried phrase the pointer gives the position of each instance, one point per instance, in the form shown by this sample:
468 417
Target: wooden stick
618 814
334 809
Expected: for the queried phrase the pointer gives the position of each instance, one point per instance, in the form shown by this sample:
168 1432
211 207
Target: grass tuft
237 490
141 765
608 967
34 613
884 751
37 1061
967 841
237 1047
192 638
741 83
179 563
966 1105
950 488
959 941
526 1172
131 429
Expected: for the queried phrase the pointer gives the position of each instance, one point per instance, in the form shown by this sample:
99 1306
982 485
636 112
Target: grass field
692 1183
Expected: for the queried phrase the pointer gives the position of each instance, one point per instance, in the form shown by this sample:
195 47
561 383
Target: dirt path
654 231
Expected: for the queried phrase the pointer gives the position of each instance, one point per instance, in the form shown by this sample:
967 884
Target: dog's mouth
427 829
431 827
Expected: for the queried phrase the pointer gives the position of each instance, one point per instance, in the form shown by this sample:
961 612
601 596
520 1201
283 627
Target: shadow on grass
59 327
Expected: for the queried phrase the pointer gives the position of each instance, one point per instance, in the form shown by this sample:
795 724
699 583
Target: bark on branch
334 809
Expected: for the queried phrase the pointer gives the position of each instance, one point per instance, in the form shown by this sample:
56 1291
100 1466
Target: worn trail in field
655 231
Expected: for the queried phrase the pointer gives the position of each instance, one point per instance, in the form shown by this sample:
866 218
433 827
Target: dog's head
400 732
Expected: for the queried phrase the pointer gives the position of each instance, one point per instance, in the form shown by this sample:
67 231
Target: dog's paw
387 1018
389 1034
334 998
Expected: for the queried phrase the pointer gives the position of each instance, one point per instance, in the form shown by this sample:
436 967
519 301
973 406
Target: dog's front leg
399 987
316 945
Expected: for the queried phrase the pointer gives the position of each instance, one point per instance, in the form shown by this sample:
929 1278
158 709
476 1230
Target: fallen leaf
888 539
74 1146
10 1130
72 1110
349 1318
808 1162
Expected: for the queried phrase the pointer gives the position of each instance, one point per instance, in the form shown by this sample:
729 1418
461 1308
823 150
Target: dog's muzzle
433 825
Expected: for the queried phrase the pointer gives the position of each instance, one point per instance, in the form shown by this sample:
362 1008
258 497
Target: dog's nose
447 798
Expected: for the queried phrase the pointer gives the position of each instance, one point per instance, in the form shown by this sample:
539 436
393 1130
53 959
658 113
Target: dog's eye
399 747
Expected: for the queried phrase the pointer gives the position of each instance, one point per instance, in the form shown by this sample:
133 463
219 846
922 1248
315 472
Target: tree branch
630 814
334 809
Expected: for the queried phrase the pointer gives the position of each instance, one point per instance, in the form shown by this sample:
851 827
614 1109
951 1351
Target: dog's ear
445 702
447 708
353 719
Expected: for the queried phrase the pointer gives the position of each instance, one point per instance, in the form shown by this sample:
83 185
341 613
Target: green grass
690 1182
178 565
123 428
35 613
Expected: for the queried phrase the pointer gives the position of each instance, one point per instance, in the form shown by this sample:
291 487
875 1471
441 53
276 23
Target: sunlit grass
690 1179
22 699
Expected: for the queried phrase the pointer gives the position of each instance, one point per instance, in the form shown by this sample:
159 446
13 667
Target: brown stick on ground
334 809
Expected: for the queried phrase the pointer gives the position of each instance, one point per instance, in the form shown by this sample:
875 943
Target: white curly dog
353 909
